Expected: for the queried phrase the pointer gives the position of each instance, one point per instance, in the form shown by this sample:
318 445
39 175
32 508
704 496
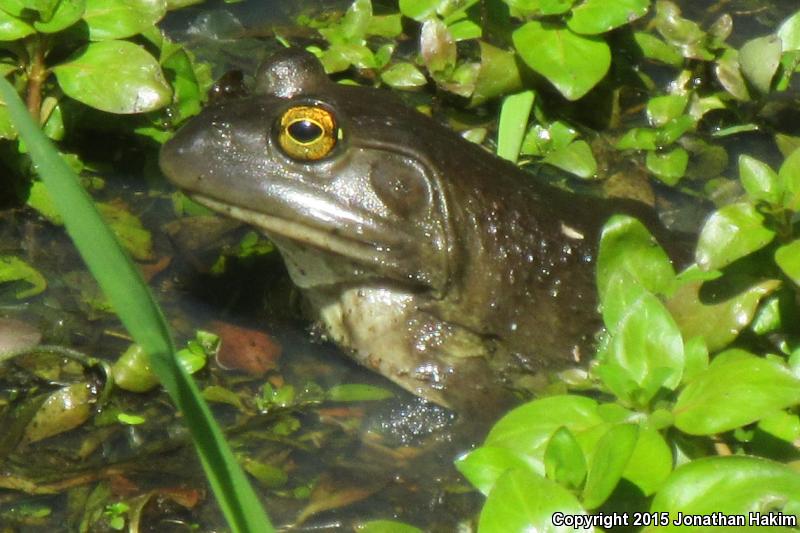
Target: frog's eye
307 133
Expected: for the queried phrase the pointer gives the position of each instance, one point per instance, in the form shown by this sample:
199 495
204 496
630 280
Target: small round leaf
572 63
789 32
731 233
117 19
115 76
13 28
759 59
759 180
599 16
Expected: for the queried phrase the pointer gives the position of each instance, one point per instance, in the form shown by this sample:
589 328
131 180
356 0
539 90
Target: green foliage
674 370
128 293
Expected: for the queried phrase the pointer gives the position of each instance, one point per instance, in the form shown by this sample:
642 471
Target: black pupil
304 131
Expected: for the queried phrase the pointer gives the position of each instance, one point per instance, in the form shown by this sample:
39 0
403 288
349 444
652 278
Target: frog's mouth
386 255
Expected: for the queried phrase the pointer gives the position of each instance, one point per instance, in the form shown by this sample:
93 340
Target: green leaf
513 121
680 32
575 158
627 246
731 233
524 501
528 428
67 13
789 175
669 166
385 25
737 389
464 30
610 458
572 63
115 76
654 48
498 75
620 292
650 464
638 139
403 76
483 466
729 75
524 8
117 19
789 32
186 80
128 229
759 59
717 323
13 28
662 109
788 258
339 57
352 27
759 180
672 130
268 475
600 16
132 371
729 485
695 353
555 7
648 346
123 284
782 425
564 462
355 392
40 200
418 9
13 269
28 8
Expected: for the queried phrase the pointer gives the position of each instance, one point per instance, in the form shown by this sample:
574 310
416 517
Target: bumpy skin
449 271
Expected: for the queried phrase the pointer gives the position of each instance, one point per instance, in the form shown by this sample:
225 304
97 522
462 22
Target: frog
456 274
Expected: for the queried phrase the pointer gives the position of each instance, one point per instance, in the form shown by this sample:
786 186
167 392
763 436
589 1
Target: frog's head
338 176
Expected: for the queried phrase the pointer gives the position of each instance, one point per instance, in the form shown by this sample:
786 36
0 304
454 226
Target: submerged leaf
717 323
65 409
13 268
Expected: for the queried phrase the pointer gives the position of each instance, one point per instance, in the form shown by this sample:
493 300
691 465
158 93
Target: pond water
320 465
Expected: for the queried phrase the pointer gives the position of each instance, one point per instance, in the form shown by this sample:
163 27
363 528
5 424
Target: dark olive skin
450 271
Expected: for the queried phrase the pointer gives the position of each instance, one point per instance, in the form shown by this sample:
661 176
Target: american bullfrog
427 259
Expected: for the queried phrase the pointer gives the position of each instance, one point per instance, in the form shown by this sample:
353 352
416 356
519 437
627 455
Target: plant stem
37 73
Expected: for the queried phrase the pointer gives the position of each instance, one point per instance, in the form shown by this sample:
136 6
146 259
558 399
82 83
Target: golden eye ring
307 132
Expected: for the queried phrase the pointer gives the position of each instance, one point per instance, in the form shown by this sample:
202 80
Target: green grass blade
123 285
513 123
